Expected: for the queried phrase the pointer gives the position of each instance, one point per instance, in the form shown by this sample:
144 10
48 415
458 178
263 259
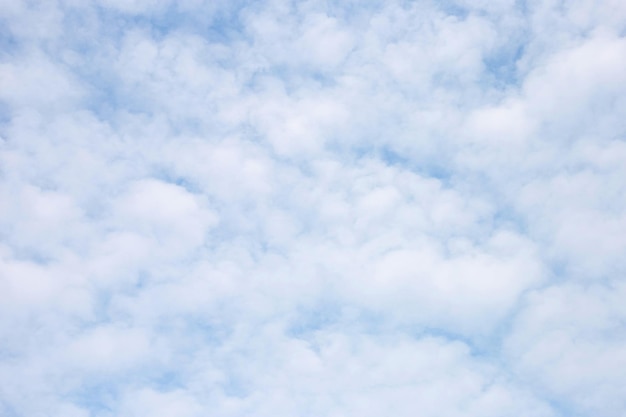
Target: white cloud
302 208
568 340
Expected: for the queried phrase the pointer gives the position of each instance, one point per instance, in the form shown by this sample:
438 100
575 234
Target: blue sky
312 208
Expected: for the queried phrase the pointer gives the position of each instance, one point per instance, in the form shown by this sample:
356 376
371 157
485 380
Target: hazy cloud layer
312 208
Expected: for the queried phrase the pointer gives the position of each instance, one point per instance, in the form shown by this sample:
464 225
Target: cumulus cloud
308 208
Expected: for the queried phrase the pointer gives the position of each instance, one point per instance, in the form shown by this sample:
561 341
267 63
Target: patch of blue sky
102 302
329 316
477 347
209 331
96 395
522 6
226 24
427 163
7 410
168 380
108 95
9 48
236 387
216 22
5 118
320 315
29 253
560 407
452 8
9 45
166 175
506 217
427 167
293 79
501 67
105 99
348 10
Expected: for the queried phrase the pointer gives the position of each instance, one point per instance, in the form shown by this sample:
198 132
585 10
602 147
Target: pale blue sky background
312 208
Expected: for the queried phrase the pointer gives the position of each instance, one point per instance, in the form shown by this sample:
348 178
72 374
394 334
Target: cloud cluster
286 208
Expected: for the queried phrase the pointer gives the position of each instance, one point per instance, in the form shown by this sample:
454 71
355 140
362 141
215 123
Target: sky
312 208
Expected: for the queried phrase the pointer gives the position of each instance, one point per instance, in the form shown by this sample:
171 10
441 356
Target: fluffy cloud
303 208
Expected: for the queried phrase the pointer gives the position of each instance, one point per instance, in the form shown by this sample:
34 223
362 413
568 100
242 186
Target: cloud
302 208
568 340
